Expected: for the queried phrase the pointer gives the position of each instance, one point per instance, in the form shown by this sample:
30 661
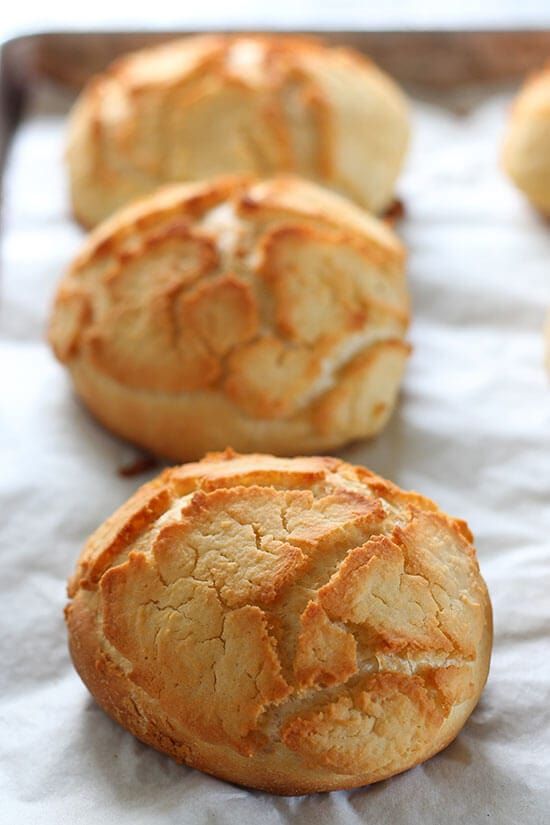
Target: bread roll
527 145
294 625
265 315
211 105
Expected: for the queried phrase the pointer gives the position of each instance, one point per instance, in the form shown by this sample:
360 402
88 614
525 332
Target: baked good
265 315
527 145
217 104
294 625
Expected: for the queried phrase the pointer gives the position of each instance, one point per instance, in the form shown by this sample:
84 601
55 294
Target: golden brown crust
269 315
279 105
526 154
289 624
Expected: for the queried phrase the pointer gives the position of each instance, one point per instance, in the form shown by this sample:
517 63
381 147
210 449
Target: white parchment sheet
472 430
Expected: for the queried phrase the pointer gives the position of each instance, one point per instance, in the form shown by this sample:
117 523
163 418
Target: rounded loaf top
295 625
214 104
269 315
526 155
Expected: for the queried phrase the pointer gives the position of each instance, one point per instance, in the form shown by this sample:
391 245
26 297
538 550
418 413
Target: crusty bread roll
294 625
267 315
211 105
526 154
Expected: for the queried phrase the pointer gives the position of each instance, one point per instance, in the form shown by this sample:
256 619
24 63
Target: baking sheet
472 430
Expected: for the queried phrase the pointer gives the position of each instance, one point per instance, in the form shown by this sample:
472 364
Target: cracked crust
294 625
279 104
269 315
526 154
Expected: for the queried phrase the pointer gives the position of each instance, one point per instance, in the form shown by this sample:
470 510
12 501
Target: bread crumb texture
291 624
269 315
211 105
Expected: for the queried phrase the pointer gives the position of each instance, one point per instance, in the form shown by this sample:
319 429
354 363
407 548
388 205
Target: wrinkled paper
472 430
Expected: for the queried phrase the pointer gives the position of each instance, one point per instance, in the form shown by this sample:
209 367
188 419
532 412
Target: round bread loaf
268 315
527 146
211 105
294 625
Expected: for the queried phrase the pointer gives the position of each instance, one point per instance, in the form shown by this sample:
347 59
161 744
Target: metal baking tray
426 61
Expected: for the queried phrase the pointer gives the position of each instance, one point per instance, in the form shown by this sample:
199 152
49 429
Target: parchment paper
472 430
